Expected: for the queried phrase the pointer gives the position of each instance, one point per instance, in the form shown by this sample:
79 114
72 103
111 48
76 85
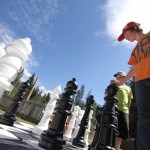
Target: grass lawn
18 119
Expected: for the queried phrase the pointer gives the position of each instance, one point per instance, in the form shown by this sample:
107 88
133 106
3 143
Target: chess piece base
79 142
7 119
51 142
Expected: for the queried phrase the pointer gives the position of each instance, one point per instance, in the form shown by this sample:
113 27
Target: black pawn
108 127
52 139
79 140
97 130
10 116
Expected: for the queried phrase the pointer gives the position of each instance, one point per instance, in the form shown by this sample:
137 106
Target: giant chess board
20 137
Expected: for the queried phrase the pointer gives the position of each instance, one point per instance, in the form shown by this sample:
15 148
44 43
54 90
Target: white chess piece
78 120
2 50
11 63
71 124
88 129
49 109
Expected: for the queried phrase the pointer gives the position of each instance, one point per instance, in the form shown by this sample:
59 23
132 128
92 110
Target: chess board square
7 135
10 128
25 136
35 144
23 126
8 144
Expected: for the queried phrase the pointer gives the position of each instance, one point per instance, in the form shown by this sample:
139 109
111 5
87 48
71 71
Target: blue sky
73 39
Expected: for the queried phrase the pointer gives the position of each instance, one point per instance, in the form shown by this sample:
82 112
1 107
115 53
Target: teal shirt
124 95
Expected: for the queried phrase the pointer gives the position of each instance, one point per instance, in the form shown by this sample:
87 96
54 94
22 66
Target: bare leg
118 143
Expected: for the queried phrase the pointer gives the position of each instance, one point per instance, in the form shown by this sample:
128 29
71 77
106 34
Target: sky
73 39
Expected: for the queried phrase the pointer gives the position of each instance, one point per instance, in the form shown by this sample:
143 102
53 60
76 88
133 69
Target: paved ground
20 137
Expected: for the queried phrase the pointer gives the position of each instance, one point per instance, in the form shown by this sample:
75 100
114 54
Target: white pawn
2 50
49 109
11 63
4 83
88 129
71 125
78 120
20 48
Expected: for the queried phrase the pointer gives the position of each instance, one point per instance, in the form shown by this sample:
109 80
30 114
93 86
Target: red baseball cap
128 25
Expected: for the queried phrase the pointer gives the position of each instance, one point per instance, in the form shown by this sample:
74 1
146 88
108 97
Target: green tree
37 98
79 96
31 82
93 120
88 94
18 77
34 93
16 83
48 98
43 100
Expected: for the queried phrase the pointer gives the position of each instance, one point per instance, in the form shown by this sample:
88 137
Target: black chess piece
52 139
10 116
97 130
108 127
79 140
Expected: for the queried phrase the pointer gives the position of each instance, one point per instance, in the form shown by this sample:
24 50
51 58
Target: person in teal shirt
124 96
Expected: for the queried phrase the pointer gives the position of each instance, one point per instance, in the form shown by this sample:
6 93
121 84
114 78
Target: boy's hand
116 82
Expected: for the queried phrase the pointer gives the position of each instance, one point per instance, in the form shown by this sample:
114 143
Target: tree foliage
48 97
34 93
43 100
31 83
16 83
88 94
78 99
93 120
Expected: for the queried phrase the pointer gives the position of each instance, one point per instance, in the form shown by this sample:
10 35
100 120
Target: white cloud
28 66
117 13
98 33
44 91
37 17
41 88
32 61
7 36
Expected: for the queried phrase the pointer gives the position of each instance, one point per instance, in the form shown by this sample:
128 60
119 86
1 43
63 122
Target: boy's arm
130 74
129 103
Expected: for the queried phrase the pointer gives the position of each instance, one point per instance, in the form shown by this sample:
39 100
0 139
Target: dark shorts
123 125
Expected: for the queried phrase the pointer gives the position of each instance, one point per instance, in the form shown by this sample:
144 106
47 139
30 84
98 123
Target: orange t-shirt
140 57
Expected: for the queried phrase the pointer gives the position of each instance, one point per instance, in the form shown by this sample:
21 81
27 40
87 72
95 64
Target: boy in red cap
140 62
